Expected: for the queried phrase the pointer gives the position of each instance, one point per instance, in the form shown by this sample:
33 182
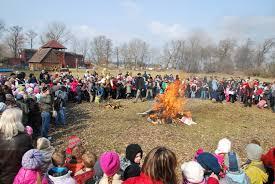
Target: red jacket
82 178
142 179
212 180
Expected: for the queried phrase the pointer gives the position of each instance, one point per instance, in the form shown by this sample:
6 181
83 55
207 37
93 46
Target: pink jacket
26 176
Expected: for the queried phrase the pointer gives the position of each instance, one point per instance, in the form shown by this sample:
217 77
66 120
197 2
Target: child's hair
255 141
89 159
78 151
58 158
160 164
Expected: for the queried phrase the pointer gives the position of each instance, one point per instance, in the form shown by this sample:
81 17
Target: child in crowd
31 167
269 163
86 173
75 164
130 165
109 162
47 151
234 173
73 142
158 168
192 173
58 174
255 169
224 147
211 166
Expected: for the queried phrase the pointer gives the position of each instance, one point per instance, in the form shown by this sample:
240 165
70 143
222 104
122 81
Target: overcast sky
155 21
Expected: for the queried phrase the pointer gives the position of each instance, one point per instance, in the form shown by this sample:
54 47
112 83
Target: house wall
70 60
44 66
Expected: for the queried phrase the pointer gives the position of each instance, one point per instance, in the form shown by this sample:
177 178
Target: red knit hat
74 141
269 158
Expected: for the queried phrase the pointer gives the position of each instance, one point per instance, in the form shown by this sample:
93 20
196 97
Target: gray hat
3 107
254 151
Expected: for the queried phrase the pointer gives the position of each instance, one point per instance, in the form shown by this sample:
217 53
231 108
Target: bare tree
262 50
138 52
101 49
84 47
225 50
193 54
15 39
75 44
56 31
208 55
244 55
31 35
2 27
124 55
117 55
173 53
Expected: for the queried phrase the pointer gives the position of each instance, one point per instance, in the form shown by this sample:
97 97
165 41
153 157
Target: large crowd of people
28 105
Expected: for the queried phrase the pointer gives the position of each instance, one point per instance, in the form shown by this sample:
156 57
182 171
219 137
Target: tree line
195 53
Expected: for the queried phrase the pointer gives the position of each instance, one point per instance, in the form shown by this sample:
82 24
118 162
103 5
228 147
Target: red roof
54 45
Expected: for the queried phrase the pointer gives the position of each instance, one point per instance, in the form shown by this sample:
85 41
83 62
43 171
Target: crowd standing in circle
29 104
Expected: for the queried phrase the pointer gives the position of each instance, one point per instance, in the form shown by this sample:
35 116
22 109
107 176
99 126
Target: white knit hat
192 171
224 146
254 151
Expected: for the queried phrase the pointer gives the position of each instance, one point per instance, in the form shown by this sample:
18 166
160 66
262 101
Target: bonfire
169 107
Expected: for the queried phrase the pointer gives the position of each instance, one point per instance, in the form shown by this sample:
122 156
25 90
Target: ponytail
110 179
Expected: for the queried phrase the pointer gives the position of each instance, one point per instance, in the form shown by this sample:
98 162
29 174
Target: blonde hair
89 159
78 151
11 123
160 165
58 158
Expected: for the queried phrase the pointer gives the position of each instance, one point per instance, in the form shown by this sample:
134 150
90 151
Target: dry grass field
103 129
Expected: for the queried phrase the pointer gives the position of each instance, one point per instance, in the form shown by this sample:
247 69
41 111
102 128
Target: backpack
57 103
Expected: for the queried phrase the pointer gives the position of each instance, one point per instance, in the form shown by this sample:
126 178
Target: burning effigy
169 107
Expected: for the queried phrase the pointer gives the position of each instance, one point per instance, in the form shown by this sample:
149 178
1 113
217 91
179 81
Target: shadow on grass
76 122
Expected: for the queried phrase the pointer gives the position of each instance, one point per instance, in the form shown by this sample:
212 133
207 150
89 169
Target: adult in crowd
158 168
139 86
14 142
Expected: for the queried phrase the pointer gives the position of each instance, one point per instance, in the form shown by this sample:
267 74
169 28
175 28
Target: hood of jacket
66 178
236 178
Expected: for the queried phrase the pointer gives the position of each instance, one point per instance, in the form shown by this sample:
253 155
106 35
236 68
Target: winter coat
187 182
75 165
256 172
46 103
46 159
11 153
128 169
64 179
142 179
235 178
26 176
124 163
116 179
139 83
84 177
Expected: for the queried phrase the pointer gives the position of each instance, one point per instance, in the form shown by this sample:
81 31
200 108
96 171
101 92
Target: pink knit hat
74 141
109 162
36 90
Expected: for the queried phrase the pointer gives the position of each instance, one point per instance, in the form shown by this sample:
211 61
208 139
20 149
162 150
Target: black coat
11 153
139 83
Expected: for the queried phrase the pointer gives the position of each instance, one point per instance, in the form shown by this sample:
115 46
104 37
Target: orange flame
171 103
